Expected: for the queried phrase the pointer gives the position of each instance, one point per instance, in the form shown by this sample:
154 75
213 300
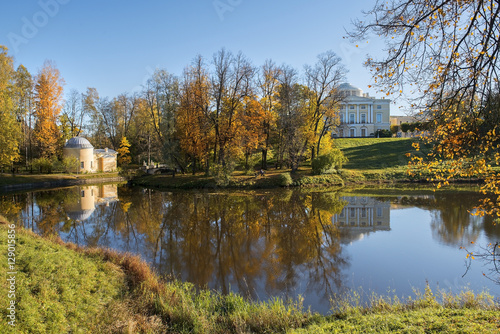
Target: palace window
379 118
379 106
363 107
351 106
363 118
351 118
363 132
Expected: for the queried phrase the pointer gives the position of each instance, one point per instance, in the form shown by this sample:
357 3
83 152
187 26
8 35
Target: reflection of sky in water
394 243
408 256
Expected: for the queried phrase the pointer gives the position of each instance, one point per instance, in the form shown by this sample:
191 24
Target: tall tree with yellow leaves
124 152
194 131
48 105
10 131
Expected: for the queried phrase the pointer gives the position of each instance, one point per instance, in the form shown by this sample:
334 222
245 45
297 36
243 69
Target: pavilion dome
78 142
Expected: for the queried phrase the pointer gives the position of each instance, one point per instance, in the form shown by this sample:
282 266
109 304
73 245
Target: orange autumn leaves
48 104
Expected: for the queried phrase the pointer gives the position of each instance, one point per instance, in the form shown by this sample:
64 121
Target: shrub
42 165
286 179
222 173
69 164
385 133
328 163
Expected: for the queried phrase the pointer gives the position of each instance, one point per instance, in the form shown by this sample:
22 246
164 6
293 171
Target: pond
277 243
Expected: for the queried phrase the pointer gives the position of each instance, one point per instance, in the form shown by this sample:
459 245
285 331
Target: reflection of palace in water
89 197
361 215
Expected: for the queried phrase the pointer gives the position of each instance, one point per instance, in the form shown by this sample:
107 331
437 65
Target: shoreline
302 180
58 183
350 178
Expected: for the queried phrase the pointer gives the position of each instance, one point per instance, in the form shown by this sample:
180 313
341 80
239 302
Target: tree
323 81
252 119
194 130
73 114
231 83
24 109
162 100
446 54
10 131
294 125
96 128
48 98
268 84
124 152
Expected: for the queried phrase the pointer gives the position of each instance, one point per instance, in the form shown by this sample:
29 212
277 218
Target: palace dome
350 89
78 142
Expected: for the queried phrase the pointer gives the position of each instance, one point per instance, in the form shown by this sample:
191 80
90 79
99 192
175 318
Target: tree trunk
264 159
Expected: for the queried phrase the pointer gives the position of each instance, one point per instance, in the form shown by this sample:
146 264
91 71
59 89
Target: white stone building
90 160
362 115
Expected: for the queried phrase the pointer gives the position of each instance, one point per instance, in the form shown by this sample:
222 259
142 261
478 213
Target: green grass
375 153
375 159
427 313
57 290
61 288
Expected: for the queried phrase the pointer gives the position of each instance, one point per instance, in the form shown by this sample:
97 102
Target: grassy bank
239 180
11 179
62 288
376 159
370 160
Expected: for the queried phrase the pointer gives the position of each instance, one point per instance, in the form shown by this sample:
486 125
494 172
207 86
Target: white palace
362 115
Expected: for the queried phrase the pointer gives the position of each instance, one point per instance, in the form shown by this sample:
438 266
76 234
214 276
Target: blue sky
114 45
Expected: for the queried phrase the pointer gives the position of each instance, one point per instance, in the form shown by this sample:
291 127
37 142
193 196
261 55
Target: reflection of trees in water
451 222
226 241
46 217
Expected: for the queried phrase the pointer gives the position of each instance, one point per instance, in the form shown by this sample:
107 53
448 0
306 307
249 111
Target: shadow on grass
379 155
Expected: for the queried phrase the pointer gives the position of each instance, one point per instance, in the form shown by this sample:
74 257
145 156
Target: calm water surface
278 243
